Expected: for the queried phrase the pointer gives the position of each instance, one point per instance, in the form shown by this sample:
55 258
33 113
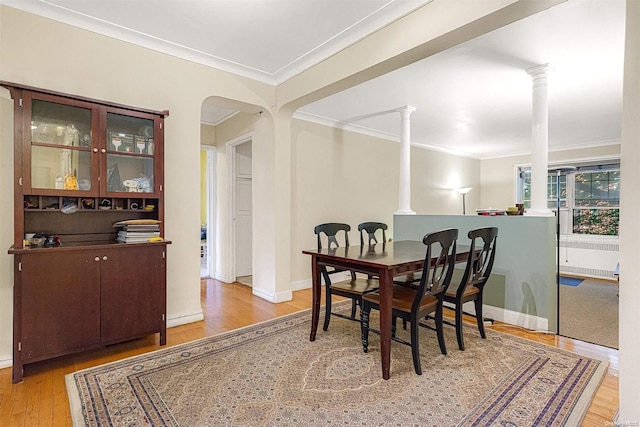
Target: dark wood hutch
82 165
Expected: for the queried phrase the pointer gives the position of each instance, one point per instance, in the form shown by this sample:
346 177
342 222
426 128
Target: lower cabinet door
132 292
60 307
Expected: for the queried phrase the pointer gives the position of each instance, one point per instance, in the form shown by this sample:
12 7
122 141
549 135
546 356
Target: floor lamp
463 191
559 170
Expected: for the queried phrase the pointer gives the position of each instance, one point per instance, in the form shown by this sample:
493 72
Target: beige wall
207 135
341 176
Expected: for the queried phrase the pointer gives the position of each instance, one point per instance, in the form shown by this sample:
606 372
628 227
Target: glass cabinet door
60 157
130 150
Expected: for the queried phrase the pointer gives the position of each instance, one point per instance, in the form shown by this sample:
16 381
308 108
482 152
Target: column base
404 212
539 212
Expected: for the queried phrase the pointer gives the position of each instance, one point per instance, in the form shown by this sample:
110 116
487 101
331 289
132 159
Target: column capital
406 110
540 70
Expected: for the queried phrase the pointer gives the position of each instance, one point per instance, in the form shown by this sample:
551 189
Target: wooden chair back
370 228
436 273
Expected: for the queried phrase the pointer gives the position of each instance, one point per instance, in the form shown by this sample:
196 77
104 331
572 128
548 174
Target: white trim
585 145
376 20
511 317
6 362
573 161
340 276
351 127
274 298
223 278
224 118
185 318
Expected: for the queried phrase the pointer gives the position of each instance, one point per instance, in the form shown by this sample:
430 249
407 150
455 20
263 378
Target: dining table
385 261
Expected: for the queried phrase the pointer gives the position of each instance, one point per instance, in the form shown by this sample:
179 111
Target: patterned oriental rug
270 374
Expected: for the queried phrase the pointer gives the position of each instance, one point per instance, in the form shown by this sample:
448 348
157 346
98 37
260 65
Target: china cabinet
81 167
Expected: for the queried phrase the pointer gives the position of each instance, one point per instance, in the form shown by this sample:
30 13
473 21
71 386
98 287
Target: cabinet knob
103 150
104 258
95 150
97 258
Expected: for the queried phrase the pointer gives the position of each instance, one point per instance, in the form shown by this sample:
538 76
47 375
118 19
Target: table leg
386 292
316 294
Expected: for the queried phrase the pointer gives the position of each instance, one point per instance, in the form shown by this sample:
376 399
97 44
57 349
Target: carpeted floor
271 375
589 312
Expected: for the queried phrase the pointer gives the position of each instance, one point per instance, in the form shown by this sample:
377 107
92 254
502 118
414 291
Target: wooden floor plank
41 399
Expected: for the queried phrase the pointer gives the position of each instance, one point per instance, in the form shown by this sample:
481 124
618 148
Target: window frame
568 209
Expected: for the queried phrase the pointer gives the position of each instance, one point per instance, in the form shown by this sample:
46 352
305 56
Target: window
552 189
591 193
596 201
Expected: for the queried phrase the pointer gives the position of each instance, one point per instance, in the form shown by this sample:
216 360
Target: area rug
270 374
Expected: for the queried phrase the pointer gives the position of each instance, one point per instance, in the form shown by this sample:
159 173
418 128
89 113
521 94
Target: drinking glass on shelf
116 143
140 145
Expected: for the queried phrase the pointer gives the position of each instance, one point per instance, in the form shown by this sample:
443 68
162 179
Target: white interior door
244 207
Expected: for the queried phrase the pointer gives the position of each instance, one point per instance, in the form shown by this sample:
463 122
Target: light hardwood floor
41 399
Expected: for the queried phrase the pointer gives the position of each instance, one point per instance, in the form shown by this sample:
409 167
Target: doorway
243 210
207 211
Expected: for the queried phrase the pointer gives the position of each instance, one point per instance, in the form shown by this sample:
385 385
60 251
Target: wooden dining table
383 260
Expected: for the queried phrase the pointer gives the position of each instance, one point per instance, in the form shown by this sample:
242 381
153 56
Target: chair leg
440 330
415 346
459 327
479 319
354 305
364 325
327 310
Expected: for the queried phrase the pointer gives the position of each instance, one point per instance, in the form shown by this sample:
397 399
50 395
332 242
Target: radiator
588 258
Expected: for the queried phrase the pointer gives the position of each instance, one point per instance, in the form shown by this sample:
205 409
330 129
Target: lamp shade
463 190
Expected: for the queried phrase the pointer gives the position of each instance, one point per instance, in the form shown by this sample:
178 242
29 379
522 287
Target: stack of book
137 230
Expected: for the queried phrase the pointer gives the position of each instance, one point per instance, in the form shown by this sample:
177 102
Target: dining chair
411 304
353 288
371 228
477 271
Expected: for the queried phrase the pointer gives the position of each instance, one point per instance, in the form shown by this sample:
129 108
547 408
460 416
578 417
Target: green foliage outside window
600 190
603 222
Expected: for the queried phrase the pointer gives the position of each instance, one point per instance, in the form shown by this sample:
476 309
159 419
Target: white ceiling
473 99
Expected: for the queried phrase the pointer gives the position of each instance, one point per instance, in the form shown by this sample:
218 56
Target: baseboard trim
274 298
6 361
177 320
306 283
523 320
183 319
222 278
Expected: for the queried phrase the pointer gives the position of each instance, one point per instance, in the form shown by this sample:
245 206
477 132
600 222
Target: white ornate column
539 140
404 191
